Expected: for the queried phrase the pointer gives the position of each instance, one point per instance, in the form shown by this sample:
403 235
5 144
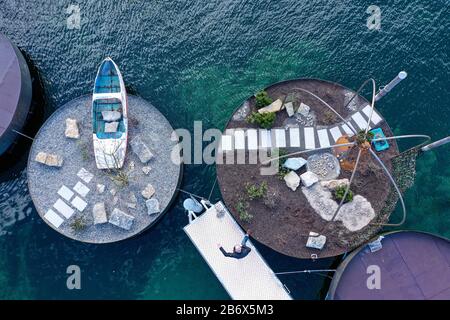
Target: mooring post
385 90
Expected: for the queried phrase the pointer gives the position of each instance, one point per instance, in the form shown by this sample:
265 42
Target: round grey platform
44 182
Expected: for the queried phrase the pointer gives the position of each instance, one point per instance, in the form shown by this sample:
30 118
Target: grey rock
242 112
100 188
292 180
72 129
51 160
152 206
121 219
325 165
289 109
148 192
316 241
294 163
146 170
303 109
99 213
141 150
309 178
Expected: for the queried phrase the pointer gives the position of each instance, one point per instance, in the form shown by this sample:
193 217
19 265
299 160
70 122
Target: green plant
328 117
361 137
282 171
78 224
255 192
263 120
83 150
241 208
262 99
339 193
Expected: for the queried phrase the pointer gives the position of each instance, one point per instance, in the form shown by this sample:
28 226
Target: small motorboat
109 117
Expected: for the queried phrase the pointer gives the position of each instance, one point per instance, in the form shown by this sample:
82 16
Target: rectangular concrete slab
226 143
336 133
79 204
52 217
360 121
376 118
239 140
252 139
347 130
247 278
63 208
294 137
65 193
266 139
323 138
81 189
309 138
280 138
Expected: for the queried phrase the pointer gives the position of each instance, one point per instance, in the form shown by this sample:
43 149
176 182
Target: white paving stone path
304 138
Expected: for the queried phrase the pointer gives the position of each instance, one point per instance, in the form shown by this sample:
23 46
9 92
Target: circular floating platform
15 92
412 266
282 219
60 193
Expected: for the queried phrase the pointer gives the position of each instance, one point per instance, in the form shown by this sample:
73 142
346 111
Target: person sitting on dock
239 251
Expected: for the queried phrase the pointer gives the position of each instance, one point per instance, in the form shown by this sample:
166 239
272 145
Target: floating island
87 204
283 210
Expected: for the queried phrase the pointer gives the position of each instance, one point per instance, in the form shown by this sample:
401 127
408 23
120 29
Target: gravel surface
44 182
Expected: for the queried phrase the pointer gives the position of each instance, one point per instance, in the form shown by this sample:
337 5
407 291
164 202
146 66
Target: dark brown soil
283 218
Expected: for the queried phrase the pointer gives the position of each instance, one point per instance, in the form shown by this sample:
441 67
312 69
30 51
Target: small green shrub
263 120
256 192
282 171
339 194
262 99
242 208
78 224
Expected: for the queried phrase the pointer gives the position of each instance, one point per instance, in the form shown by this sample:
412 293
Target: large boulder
289 109
325 165
309 178
333 184
303 109
294 163
141 150
273 107
121 219
292 180
354 215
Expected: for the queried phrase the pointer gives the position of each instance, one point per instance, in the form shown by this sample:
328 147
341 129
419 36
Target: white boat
109 117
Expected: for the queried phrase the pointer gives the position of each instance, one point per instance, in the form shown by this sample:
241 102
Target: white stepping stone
335 133
376 118
79 204
63 208
360 121
280 138
52 217
266 141
85 175
239 140
226 143
347 130
294 137
65 193
309 138
81 189
323 138
252 137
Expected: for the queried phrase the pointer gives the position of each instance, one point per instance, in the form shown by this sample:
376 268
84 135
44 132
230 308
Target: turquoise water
198 60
